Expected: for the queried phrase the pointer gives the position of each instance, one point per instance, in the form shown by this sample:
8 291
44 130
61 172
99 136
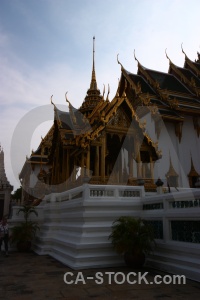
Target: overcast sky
46 49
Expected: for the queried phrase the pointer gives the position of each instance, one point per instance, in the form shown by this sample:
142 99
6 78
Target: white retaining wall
77 224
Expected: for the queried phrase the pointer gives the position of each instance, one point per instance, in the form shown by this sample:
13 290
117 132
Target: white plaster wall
75 226
76 231
180 152
168 145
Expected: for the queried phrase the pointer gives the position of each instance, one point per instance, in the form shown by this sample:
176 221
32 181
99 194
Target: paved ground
29 276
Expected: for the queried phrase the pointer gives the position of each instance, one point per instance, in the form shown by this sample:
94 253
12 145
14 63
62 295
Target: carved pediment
120 120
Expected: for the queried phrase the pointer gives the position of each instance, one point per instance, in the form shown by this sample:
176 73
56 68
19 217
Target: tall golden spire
93 84
93 96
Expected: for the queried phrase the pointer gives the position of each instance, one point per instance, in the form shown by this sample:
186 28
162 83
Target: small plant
23 234
132 237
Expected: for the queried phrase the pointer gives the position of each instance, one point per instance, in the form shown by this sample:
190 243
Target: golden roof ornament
198 58
167 56
55 110
138 88
171 171
183 50
173 103
153 109
125 87
52 102
70 109
67 99
143 124
107 99
93 84
193 171
103 91
192 65
117 93
93 96
136 57
119 61
146 100
42 140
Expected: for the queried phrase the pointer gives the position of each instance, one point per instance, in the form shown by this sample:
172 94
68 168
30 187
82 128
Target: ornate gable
120 120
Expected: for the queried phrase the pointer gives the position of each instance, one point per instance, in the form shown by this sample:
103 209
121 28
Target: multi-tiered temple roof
91 137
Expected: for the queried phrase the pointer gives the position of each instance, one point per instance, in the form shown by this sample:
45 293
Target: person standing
4 234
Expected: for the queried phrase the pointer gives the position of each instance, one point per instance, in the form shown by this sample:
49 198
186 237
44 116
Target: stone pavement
27 276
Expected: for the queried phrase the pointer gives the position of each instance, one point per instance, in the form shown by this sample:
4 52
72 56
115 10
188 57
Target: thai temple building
5 188
135 155
148 131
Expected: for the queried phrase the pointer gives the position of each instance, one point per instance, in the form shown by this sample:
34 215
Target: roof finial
93 84
67 98
198 59
103 90
182 49
108 93
135 56
93 49
70 109
119 61
52 101
167 55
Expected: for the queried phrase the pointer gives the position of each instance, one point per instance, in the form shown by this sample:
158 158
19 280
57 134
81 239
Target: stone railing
91 191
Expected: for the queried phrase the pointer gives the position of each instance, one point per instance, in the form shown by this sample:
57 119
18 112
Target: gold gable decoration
193 175
120 120
171 171
172 175
193 171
